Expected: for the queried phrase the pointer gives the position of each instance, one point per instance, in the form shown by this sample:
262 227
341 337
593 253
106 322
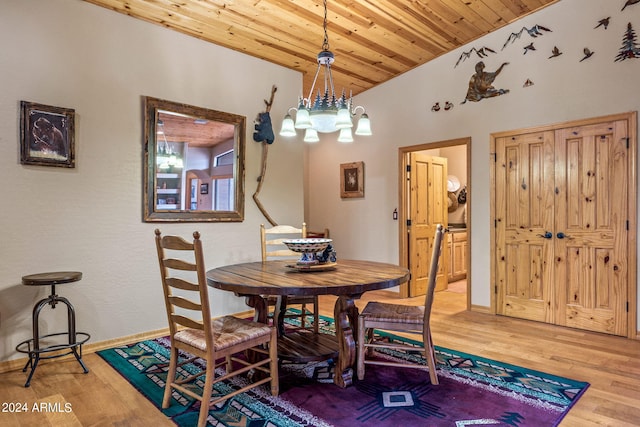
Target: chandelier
167 158
327 113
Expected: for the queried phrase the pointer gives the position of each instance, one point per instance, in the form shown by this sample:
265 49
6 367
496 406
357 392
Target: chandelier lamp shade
327 112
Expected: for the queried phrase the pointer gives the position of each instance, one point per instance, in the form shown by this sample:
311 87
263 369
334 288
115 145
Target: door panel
458 253
428 207
591 167
525 169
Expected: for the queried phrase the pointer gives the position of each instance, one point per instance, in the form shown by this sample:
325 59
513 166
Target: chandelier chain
325 43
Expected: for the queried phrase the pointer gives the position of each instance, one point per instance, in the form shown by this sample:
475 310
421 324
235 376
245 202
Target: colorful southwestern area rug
473 391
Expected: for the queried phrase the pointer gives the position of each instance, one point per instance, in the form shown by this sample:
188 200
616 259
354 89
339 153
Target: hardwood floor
610 364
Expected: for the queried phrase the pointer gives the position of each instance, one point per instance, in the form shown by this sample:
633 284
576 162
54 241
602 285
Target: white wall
564 89
457 166
100 63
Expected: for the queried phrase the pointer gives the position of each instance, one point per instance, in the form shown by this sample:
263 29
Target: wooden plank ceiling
373 40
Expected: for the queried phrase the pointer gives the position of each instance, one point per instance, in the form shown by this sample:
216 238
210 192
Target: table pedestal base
346 319
306 346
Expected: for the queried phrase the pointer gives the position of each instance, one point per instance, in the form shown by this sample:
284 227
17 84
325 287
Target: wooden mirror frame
152 108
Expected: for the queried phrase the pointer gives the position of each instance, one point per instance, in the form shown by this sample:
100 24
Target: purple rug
472 391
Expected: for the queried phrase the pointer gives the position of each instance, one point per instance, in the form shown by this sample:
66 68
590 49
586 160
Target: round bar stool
75 339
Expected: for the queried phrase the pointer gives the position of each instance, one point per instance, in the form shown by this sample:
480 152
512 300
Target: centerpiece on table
316 254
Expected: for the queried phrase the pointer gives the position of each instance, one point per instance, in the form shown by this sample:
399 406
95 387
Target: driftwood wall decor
264 136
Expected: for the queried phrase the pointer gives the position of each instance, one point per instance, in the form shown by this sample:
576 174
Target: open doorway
457 152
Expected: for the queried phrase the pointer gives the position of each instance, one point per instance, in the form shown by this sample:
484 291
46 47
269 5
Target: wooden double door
561 220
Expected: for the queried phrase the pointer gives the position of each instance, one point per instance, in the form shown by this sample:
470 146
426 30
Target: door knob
546 235
561 235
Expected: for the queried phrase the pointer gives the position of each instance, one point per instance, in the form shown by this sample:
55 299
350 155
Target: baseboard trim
93 347
15 364
481 309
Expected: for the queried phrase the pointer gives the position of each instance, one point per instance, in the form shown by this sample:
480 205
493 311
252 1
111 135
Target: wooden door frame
189 176
632 288
403 198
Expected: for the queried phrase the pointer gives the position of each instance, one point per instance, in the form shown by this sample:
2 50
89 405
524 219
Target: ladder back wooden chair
273 248
324 234
400 318
192 329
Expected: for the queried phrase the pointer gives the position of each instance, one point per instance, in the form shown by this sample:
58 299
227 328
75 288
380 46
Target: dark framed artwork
352 180
47 135
204 188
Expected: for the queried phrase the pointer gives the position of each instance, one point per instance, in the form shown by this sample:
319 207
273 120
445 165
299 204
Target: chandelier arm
355 110
313 85
333 91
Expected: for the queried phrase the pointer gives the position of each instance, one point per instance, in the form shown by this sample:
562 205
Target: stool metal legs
73 344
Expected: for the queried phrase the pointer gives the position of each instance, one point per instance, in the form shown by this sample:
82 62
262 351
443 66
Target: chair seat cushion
396 313
227 331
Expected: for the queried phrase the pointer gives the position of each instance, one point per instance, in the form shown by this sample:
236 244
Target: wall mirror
194 163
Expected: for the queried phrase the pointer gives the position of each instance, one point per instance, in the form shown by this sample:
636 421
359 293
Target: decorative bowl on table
307 246
316 254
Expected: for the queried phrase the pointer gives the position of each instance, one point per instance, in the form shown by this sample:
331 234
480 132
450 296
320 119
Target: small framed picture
352 180
204 188
47 135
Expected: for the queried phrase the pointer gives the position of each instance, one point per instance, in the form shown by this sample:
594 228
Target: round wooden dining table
347 280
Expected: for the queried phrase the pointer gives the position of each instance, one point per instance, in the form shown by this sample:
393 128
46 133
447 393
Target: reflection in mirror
194 163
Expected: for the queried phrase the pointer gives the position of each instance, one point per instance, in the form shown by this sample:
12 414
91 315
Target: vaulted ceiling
373 40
